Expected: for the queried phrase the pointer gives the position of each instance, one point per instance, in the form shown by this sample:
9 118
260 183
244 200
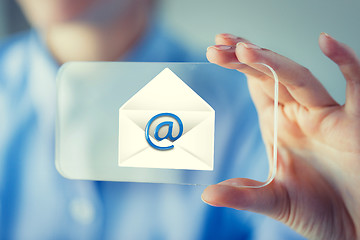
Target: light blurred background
290 28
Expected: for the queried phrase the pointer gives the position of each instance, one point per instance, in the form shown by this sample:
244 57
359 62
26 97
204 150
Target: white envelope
167 93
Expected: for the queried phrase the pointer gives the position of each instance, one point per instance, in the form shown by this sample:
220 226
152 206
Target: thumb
269 200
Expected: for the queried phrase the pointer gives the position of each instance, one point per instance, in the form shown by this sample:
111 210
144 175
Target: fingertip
224 195
325 35
227 36
228 39
218 195
211 54
327 44
222 55
232 193
247 52
332 48
208 196
248 45
224 35
222 39
338 52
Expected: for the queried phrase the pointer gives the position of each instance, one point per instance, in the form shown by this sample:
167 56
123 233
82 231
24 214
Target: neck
82 41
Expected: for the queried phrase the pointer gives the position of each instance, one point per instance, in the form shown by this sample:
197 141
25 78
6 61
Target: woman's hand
317 187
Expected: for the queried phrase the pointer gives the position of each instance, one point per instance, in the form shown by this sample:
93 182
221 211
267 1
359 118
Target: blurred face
43 14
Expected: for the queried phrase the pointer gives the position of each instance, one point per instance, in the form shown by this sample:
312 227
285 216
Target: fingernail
326 35
248 45
230 36
220 47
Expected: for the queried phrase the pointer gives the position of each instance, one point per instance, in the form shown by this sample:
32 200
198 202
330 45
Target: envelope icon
182 137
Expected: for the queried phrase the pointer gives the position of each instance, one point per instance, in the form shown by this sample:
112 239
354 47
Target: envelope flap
190 119
166 92
131 134
199 147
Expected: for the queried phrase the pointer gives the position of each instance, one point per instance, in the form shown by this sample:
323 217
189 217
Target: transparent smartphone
182 123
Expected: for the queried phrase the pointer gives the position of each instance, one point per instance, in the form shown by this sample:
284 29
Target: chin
46 13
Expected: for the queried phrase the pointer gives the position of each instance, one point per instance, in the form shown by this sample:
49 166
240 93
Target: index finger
298 80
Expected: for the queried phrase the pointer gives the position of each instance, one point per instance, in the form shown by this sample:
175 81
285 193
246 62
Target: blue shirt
37 203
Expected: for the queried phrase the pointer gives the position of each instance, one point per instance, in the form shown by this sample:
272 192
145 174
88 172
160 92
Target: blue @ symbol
159 126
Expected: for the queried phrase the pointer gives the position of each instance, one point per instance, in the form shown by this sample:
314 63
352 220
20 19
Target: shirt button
82 211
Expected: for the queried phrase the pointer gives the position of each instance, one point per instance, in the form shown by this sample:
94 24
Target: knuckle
305 77
305 72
